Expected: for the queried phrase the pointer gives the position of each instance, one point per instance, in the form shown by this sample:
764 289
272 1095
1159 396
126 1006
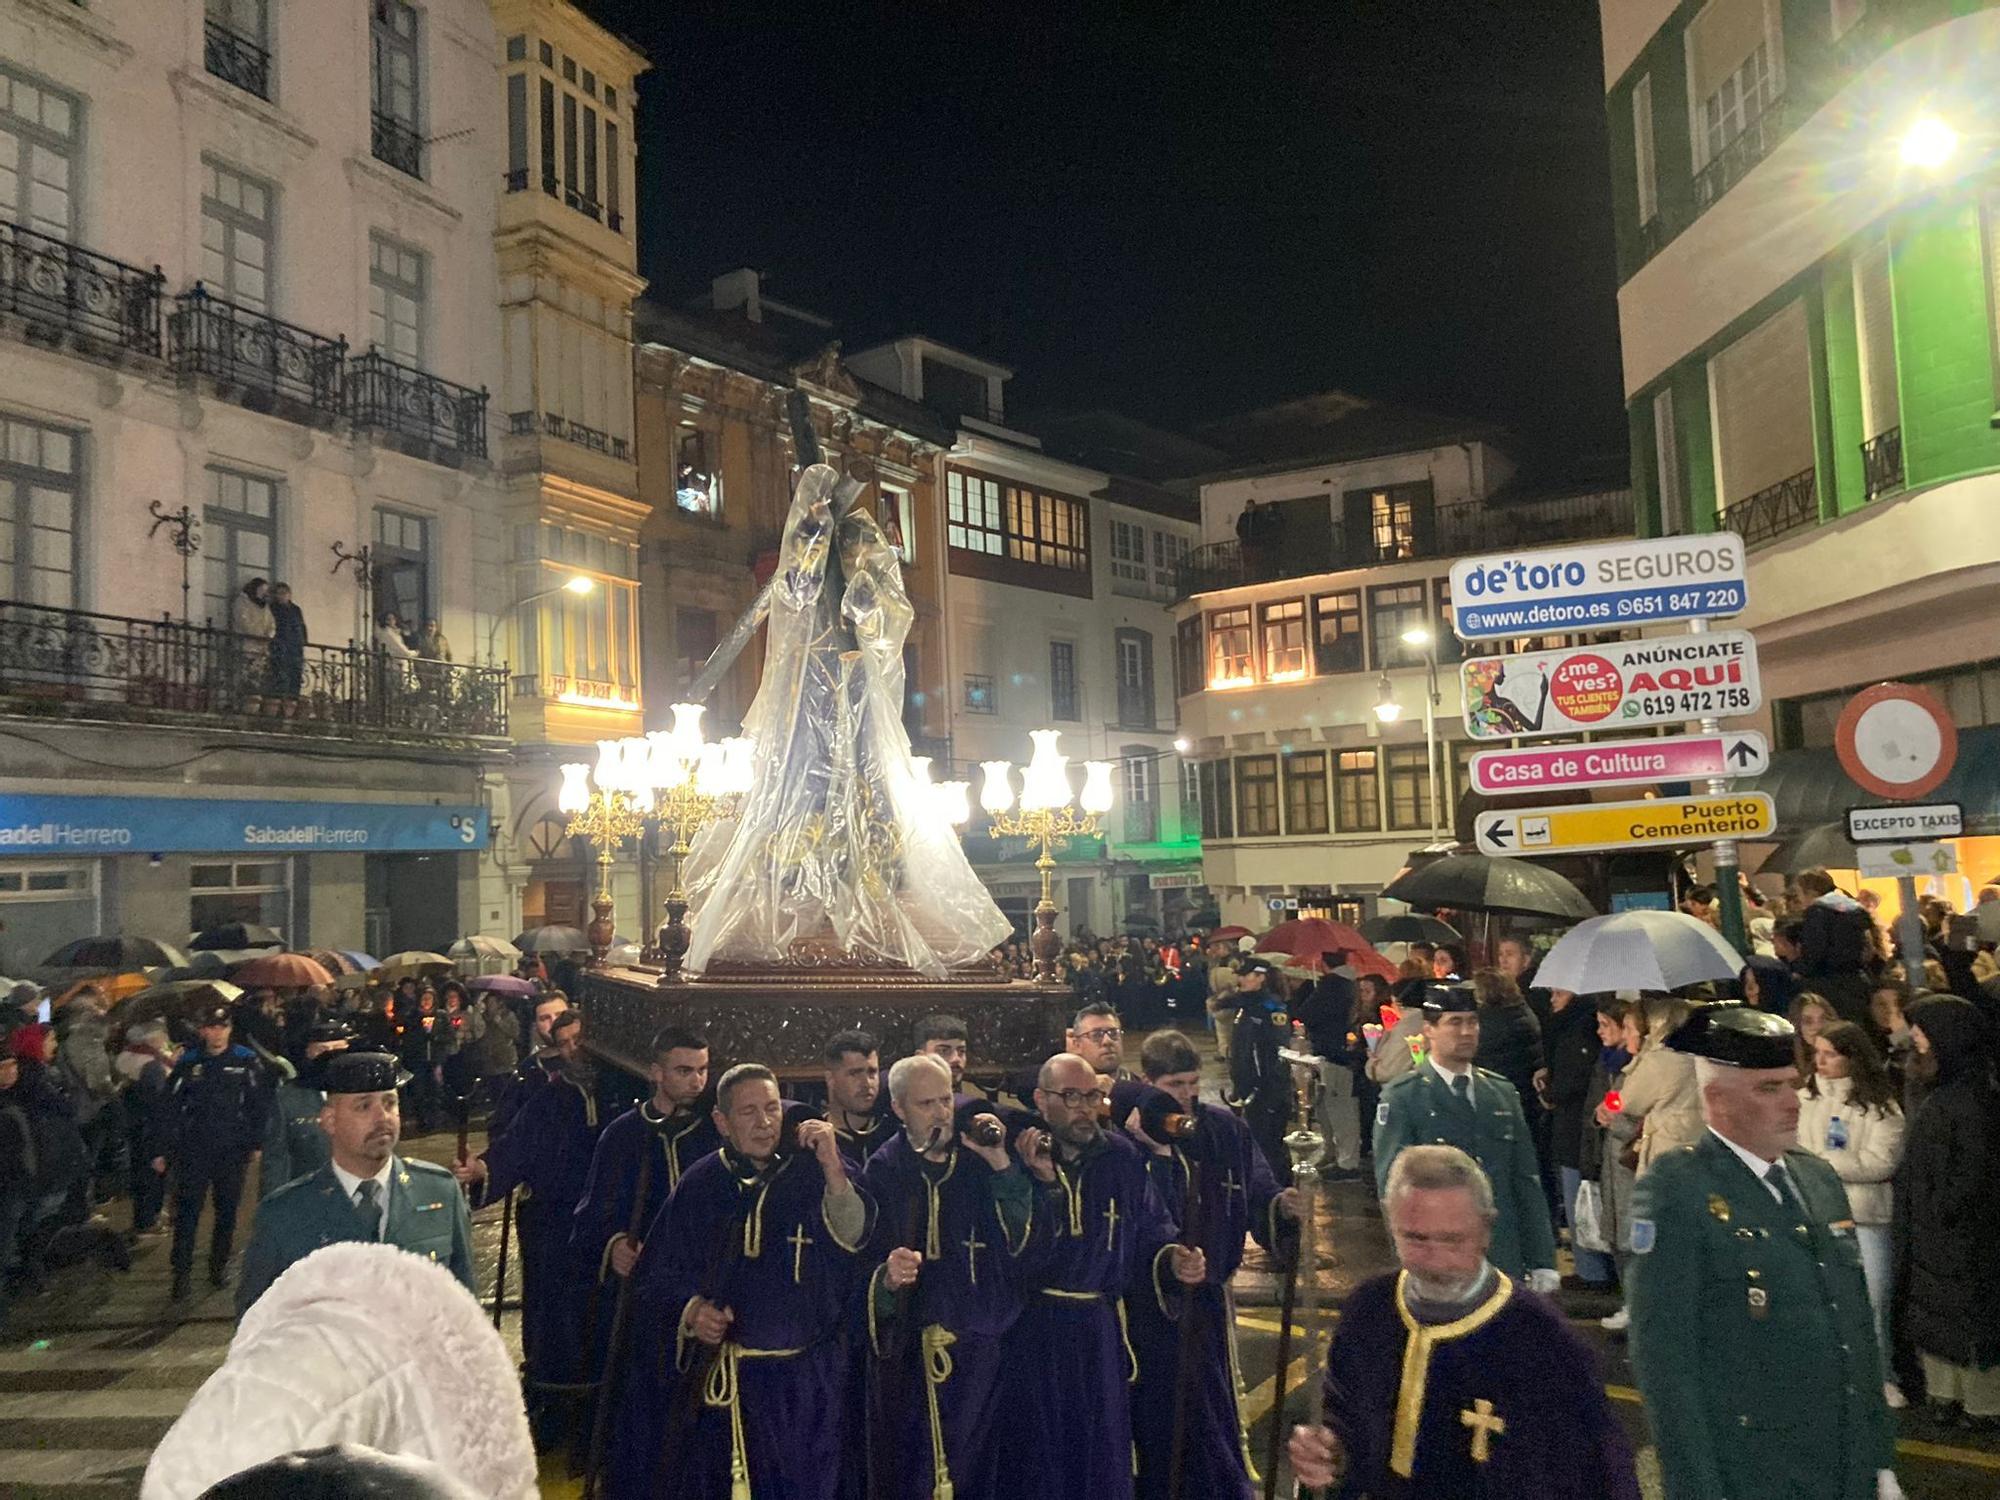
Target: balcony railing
555 425
1774 511
1457 530
395 397
1882 463
77 292
1143 588
395 144
65 662
1759 136
241 347
235 58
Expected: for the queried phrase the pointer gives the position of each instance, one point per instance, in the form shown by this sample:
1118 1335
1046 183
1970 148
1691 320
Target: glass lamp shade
687 728
573 796
996 793
708 770
954 801
737 764
610 764
920 767
666 767
1045 780
1096 794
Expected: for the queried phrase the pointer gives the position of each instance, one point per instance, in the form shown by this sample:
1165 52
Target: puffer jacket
1867 1163
357 1343
1659 1088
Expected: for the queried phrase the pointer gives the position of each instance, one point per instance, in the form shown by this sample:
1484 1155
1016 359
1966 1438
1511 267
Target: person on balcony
250 622
288 648
431 643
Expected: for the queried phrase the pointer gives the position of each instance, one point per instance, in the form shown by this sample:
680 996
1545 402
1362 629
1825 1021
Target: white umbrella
1637 950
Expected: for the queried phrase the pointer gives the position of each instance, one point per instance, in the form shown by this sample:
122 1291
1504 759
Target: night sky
1179 211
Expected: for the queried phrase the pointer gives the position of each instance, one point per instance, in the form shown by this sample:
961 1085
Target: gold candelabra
606 816
1049 818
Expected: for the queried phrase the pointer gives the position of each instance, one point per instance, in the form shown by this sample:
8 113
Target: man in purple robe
1218 1187
1100 1235
1447 1380
854 1106
741 1289
952 1219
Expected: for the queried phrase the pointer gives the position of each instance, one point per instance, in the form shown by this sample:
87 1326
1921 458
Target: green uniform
1751 1332
426 1216
293 1142
1419 1109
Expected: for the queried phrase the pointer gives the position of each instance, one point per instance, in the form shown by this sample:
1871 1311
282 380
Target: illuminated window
1357 796
1305 792
972 513
1229 648
1393 609
1284 640
1337 633
697 488
1257 795
1409 786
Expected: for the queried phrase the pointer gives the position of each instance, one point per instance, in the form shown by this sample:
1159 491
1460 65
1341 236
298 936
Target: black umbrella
1409 928
552 940
115 953
1823 846
238 935
1490 883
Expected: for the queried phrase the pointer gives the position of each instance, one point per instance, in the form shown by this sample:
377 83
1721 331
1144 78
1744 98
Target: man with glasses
1100 1234
1443 1380
1098 1037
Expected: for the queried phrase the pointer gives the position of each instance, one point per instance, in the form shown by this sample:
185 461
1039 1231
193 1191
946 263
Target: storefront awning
1811 790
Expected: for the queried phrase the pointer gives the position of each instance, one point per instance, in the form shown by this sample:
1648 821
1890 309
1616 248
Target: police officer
1446 1101
1751 1331
364 1190
1262 1082
220 1100
293 1142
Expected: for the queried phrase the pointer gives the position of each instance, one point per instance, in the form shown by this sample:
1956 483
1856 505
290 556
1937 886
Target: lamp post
693 782
1049 817
578 584
1388 710
607 815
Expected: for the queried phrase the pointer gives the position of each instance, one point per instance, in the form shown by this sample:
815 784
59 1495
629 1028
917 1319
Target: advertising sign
1682 757
1600 587
1902 825
45 825
1625 825
1622 685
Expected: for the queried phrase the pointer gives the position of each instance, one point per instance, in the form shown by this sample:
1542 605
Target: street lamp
578 584
1048 817
1422 636
1928 144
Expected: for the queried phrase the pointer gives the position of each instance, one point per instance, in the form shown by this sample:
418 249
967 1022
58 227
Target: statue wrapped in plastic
839 842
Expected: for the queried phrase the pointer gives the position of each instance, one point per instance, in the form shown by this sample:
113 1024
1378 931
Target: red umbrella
1308 937
280 971
1227 934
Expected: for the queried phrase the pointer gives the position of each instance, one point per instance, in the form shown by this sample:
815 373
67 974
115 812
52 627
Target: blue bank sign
37 825
1645 582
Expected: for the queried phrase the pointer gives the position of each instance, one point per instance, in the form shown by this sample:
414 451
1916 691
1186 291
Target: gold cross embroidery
1111 1225
1230 1184
798 1239
973 1245
1485 1427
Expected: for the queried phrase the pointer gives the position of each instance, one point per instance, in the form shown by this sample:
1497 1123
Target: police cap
360 1073
1737 1035
329 1029
1444 999
212 1015
1262 966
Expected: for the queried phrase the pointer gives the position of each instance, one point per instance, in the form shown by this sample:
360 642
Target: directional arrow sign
1625 825
1685 757
1621 685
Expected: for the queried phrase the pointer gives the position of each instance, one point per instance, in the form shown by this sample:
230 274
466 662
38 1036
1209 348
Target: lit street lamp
1048 817
578 584
1928 144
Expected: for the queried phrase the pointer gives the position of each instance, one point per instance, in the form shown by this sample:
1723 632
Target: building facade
246 299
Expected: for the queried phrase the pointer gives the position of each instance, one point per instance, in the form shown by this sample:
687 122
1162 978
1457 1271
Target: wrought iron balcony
256 352
73 292
1774 511
395 144
235 58
65 663
555 425
1755 141
1882 463
394 397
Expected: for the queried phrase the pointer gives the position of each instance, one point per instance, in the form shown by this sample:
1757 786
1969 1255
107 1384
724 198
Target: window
239 538
590 204
1257 795
1742 93
1408 768
614 197
236 235
1062 680
236 44
1337 633
546 53
1142 813
1397 521
1229 648
1444 638
1169 553
403 567
1133 653
551 184
392 59
1392 609
45 882
972 513
517 49
1357 797
1187 656
1643 163
1763 409
1190 795
1284 631
979 693
241 890
1217 799
1305 792
517 132
583 648
39 501
570 194
1047 530
899 522
1875 323
396 299
954 391
1674 517
696 634
38 155
1128 551
697 487
1461 752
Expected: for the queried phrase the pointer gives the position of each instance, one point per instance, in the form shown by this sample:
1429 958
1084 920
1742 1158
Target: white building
246 269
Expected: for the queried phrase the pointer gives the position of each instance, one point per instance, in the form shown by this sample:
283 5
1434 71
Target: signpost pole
1910 933
1728 886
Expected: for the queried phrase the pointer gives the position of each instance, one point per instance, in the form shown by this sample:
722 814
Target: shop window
44 882
241 890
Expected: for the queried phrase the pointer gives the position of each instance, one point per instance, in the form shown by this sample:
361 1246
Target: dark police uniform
1752 1337
1420 1108
294 1145
1262 1081
215 1121
425 1212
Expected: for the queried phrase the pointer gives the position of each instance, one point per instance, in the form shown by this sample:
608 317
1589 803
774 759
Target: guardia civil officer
1751 1331
293 1142
364 1191
1446 1101
219 1098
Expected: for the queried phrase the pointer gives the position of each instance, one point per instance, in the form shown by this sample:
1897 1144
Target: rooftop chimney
739 288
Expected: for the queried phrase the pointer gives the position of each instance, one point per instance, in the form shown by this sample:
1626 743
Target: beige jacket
1873 1151
1391 1057
1659 1089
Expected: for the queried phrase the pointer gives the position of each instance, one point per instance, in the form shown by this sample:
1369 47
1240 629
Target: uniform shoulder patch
1642 1236
1382 1113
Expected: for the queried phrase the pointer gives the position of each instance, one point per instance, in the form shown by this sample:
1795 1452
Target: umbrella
332 960
1304 939
108 952
211 963
361 961
281 971
552 940
414 961
502 984
171 1002
1824 846
1227 934
1409 928
238 935
483 945
1490 883
113 986
623 951
1637 950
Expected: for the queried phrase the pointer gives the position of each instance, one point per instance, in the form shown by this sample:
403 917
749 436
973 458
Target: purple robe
1238 1197
1099 1238
605 1209
938 1358
1512 1404
760 1245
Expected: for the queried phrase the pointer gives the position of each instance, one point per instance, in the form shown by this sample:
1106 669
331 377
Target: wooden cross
1111 1225
973 1245
1485 1427
798 1239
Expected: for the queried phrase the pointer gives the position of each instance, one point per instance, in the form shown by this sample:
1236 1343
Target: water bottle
1836 1134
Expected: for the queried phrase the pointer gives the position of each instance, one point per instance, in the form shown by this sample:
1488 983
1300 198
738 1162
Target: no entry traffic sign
1683 757
1607 586
1625 825
1622 685
1896 740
